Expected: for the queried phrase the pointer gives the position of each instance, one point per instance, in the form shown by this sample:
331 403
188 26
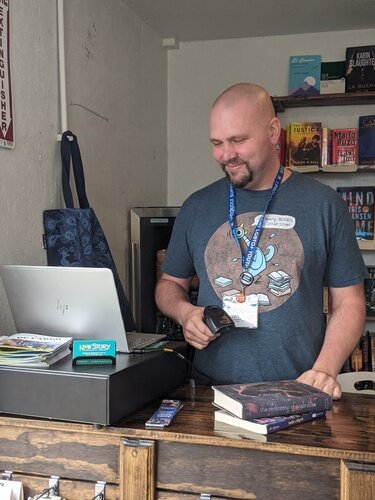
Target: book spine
326 153
295 420
365 344
372 339
306 404
356 359
366 140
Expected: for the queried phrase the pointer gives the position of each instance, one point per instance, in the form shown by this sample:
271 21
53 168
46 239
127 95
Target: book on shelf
360 358
270 399
360 201
372 351
369 285
267 425
33 350
326 147
332 77
281 146
356 359
366 140
304 75
365 348
303 146
360 69
345 146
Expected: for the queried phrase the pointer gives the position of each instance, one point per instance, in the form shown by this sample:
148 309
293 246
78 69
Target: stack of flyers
164 414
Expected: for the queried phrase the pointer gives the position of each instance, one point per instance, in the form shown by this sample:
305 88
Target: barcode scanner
217 320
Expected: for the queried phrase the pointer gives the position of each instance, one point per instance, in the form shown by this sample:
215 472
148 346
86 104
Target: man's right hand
195 330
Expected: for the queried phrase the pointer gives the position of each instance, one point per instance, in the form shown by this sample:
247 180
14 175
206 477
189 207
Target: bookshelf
281 103
366 245
344 99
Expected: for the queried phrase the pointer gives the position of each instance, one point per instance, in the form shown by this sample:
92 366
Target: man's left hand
323 381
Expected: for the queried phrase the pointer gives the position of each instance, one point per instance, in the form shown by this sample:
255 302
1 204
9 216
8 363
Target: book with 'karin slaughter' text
268 424
270 399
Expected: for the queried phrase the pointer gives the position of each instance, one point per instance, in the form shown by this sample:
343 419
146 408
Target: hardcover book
372 351
360 69
332 79
360 201
370 292
366 140
268 424
365 347
281 146
326 147
345 146
303 146
304 75
270 399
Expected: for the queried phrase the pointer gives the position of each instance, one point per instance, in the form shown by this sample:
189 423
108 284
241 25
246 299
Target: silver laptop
77 302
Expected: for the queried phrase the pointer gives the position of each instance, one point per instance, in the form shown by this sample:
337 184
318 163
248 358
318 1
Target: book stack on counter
266 407
33 350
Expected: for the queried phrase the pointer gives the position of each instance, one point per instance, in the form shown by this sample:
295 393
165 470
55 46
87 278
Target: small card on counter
164 414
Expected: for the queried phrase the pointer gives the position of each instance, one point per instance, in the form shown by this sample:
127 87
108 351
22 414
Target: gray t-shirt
307 241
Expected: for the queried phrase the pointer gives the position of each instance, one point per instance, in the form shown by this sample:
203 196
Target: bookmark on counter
164 414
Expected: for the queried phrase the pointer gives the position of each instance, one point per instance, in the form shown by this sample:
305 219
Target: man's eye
216 144
239 140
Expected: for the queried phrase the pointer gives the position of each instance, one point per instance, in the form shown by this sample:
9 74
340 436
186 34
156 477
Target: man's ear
275 129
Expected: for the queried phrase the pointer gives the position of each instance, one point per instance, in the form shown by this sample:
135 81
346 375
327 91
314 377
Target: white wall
117 102
116 68
28 174
199 71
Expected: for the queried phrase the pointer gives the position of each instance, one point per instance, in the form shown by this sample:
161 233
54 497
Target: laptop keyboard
141 340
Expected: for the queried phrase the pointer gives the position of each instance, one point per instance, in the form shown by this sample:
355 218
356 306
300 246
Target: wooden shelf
366 244
348 99
335 169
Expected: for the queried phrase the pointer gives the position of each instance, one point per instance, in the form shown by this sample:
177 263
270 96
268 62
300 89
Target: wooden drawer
240 473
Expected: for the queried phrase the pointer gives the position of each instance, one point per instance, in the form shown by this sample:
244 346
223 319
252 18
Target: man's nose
228 152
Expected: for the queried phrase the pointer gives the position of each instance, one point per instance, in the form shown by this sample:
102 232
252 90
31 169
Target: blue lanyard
247 258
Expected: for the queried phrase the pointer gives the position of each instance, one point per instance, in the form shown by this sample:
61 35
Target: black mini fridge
151 229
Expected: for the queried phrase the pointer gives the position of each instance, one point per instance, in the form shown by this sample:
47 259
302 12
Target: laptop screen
65 301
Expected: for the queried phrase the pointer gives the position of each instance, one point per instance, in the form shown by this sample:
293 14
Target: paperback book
326 147
303 146
281 146
304 75
33 350
370 292
360 69
270 399
372 351
360 201
332 79
233 432
268 424
345 146
366 140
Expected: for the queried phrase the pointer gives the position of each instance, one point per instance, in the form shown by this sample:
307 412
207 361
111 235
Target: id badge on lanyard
244 310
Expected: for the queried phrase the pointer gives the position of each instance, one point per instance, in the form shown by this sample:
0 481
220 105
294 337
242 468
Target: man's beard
242 181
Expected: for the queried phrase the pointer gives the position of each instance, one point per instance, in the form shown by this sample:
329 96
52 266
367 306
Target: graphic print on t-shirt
277 263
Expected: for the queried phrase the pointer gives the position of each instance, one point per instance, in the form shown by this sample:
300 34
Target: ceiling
190 20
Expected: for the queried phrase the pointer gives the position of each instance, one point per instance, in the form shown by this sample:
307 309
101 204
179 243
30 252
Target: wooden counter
331 458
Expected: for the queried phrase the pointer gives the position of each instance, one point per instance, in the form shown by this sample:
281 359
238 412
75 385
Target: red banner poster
6 105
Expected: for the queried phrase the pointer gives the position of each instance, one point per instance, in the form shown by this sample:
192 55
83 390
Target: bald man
264 241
